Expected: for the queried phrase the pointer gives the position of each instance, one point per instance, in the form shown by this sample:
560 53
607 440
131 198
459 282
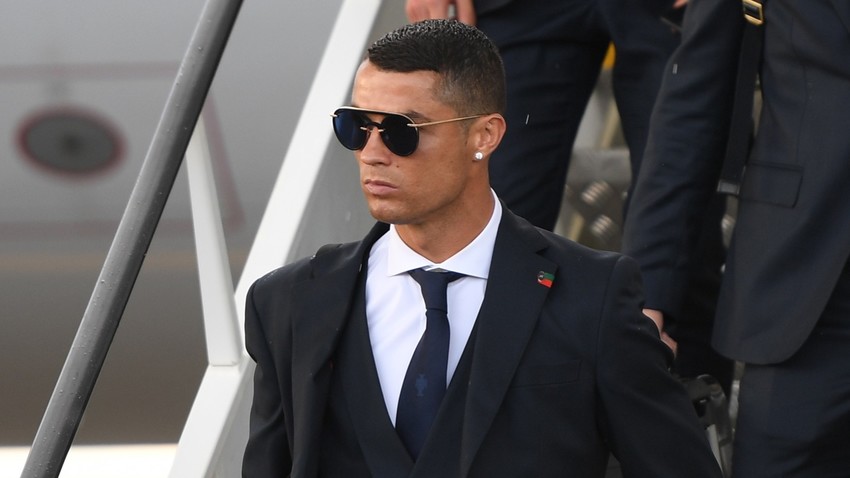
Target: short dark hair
473 76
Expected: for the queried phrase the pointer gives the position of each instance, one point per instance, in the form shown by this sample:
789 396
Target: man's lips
378 187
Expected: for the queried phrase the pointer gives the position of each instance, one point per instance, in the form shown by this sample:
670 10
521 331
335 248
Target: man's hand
418 10
658 317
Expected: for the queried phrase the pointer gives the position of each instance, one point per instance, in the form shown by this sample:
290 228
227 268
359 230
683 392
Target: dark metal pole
132 239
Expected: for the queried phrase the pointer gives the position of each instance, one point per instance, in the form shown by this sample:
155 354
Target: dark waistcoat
358 438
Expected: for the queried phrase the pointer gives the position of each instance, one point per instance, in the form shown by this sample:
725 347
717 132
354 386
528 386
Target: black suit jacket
792 236
559 376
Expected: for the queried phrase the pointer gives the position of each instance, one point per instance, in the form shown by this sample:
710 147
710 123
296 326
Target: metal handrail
216 430
132 239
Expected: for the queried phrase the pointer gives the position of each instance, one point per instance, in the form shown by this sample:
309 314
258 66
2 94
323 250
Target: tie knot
434 285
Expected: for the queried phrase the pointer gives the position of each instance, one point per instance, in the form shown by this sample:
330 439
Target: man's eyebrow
416 116
412 114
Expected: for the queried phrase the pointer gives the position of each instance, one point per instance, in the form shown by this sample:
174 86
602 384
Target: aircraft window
70 141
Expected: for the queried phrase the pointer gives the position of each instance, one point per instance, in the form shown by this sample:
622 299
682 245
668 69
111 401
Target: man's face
430 184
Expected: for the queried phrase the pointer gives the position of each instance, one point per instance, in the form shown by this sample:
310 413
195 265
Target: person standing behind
784 307
455 339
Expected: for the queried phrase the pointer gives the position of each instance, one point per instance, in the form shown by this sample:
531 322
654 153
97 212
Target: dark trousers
794 417
693 329
552 53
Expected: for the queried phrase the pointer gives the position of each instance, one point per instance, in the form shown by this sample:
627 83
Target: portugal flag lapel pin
545 278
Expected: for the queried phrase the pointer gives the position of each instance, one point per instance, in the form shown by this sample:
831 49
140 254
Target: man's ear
488 133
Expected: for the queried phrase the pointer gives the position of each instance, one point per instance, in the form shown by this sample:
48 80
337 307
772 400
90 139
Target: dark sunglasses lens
347 126
398 137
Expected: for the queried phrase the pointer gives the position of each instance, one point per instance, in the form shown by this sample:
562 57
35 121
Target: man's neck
440 240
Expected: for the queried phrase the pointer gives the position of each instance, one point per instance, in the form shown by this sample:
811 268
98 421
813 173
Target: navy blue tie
425 381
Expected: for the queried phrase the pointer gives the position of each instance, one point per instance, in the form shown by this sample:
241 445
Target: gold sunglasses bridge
371 126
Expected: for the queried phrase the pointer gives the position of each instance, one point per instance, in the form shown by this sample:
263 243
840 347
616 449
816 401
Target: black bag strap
741 125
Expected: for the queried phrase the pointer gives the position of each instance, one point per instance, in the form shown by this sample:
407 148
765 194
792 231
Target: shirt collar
473 260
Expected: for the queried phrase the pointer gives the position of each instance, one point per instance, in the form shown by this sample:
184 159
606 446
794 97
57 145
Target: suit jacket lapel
512 305
322 306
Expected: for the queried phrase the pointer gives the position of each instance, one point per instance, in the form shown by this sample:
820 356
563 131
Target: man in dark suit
552 52
548 361
784 307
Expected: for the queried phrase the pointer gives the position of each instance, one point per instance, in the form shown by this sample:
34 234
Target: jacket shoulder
325 258
567 252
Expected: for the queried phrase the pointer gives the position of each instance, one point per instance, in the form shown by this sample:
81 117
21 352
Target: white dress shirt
395 309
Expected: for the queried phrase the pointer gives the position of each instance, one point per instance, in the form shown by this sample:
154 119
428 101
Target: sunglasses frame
369 125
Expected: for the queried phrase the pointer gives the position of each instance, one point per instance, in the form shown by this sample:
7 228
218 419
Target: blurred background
82 87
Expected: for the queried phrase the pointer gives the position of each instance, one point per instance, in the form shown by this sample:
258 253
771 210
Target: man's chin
388 216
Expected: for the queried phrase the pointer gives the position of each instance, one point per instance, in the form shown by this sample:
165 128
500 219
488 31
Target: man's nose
374 150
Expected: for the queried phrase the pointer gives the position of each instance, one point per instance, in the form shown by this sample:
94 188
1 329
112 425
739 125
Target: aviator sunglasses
398 132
